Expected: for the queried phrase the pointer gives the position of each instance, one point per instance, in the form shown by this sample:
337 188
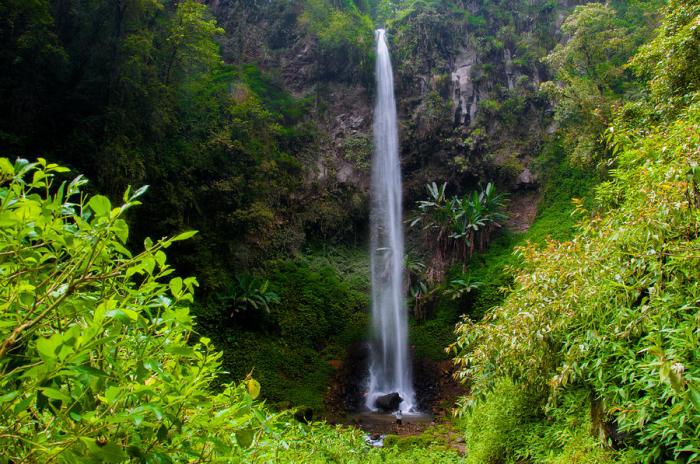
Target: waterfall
390 368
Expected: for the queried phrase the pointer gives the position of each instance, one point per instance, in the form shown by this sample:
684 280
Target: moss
429 337
323 310
505 426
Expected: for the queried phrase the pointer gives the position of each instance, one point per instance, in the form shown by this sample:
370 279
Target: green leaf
245 437
56 394
694 395
100 204
6 167
121 229
176 286
47 347
112 394
8 396
184 236
102 451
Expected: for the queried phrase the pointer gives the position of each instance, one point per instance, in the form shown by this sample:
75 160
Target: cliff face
467 74
295 42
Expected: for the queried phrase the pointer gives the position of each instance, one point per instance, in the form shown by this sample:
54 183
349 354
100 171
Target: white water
390 368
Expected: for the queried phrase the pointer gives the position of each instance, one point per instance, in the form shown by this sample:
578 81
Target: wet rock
526 179
388 403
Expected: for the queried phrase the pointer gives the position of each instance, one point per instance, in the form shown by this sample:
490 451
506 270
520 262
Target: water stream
390 367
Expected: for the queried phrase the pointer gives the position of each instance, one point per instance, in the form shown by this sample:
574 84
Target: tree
98 359
461 225
589 68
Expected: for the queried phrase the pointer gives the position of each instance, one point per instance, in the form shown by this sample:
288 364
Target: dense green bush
613 311
509 426
97 362
322 309
495 426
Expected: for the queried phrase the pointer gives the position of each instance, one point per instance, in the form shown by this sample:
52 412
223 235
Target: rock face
388 403
275 37
464 96
467 90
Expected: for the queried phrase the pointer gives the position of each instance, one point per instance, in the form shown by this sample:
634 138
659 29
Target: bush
496 427
97 363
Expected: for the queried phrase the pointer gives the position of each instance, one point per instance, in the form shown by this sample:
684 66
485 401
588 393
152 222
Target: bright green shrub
509 425
615 308
614 311
566 435
96 363
495 427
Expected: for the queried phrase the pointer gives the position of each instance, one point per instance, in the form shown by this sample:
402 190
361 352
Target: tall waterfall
390 368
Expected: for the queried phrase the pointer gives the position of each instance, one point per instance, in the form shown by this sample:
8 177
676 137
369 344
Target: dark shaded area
434 385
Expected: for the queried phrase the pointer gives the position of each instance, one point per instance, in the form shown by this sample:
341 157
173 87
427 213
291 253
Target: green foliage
457 288
463 223
496 266
136 92
321 311
437 442
99 362
247 293
590 72
96 363
494 428
613 310
345 39
671 59
508 426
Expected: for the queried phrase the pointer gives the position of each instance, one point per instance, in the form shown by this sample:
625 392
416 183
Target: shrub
97 362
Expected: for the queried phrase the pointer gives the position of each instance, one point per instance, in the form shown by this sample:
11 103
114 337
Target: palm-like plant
492 203
469 221
248 293
416 284
459 287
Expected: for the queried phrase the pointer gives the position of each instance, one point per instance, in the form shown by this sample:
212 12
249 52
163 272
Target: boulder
388 403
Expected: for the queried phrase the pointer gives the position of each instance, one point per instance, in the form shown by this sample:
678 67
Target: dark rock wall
467 79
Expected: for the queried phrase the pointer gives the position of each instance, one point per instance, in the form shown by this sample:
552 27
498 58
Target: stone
388 403
526 178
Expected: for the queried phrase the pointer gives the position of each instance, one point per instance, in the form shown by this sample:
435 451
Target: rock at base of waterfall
526 179
388 403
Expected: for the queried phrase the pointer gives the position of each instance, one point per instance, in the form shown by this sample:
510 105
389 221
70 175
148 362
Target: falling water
390 369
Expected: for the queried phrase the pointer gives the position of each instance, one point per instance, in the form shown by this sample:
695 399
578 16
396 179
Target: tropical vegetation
550 157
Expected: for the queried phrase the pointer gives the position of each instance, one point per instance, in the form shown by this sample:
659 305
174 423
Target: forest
350 231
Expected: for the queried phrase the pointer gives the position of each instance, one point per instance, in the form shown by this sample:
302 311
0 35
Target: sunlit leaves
615 309
95 359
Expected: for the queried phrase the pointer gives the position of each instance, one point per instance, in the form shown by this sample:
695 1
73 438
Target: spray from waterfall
390 368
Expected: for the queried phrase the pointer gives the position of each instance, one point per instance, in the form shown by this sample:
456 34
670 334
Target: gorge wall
468 76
